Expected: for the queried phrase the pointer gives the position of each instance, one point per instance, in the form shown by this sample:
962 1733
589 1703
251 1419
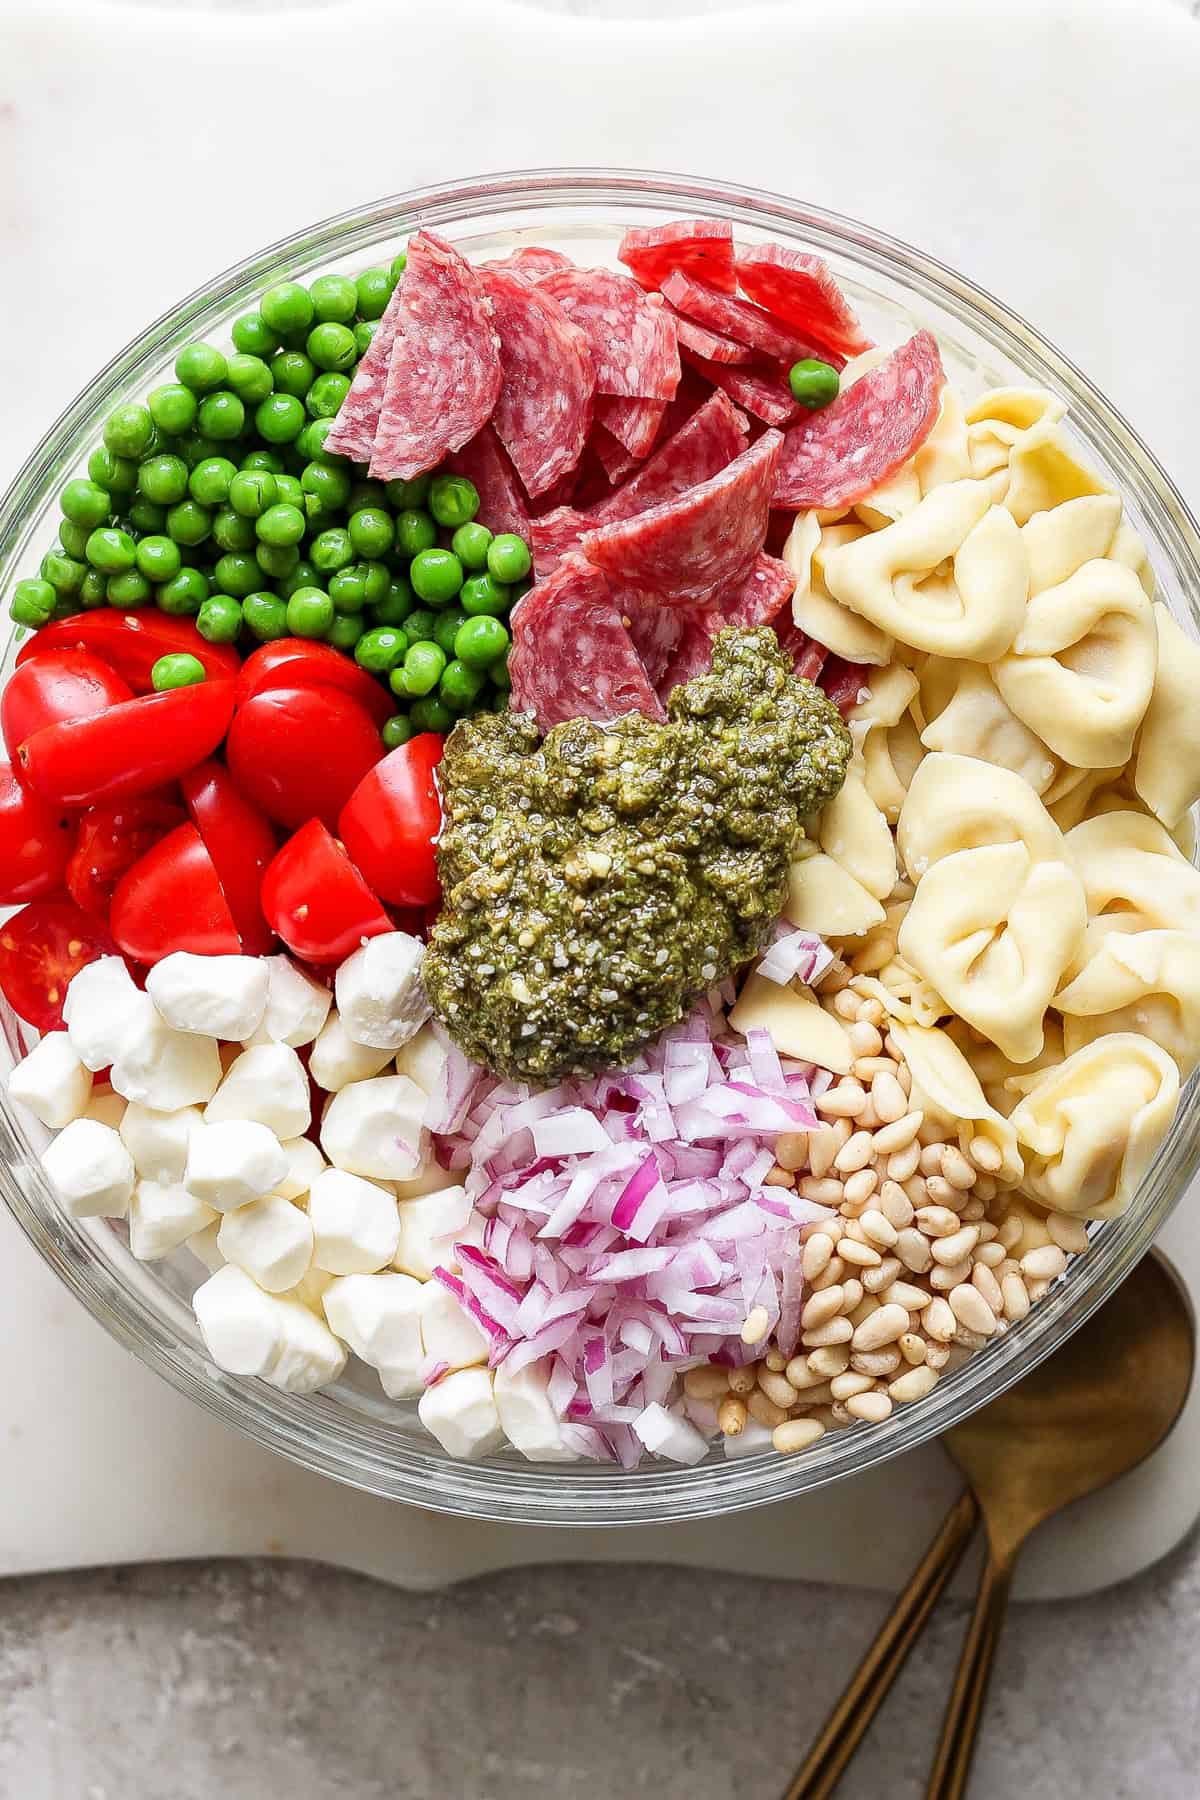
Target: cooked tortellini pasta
1090 1128
1143 981
824 897
886 736
813 607
1004 1082
999 418
854 832
945 454
1060 541
1167 771
978 722
960 803
1135 877
1044 471
946 1087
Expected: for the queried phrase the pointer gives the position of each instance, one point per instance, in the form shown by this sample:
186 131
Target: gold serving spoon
1091 1412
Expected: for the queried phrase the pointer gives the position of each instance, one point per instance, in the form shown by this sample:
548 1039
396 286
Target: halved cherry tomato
299 753
390 823
111 839
298 662
35 842
241 843
41 948
62 684
132 642
316 899
171 900
133 747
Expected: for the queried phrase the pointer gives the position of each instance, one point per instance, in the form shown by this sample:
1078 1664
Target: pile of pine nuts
924 1259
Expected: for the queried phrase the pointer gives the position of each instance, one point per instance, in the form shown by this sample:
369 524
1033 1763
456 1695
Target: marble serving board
1048 150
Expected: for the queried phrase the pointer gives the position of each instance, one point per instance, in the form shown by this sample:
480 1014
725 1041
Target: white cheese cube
102 1007
270 1239
203 1246
423 1059
752 1440
162 1217
268 1084
429 1227
379 1316
355 1224
310 1290
668 1434
527 1418
460 1412
90 1170
233 1162
158 1141
336 1060
297 1006
311 1357
305 1163
248 1332
379 992
373 1128
52 1082
106 1107
163 1068
220 996
430 1178
448 1331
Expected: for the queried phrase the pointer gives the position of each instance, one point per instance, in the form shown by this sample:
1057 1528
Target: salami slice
501 503
631 336
709 346
807 656
686 550
657 632
700 247
737 319
766 397
634 423
532 262
616 461
757 599
846 683
799 288
836 456
572 655
444 374
544 411
356 421
692 656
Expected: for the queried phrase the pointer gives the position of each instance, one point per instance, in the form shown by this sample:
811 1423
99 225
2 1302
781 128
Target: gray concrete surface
243 1681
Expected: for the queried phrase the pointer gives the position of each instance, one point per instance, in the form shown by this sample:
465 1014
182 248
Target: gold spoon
1094 1410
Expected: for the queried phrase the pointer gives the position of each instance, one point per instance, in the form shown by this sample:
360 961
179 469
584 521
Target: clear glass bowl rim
318 1433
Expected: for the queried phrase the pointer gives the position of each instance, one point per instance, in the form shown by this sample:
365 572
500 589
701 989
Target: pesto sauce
597 882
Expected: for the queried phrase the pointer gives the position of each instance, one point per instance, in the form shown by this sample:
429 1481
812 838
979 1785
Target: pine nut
985 1154
948 1275
889 1098
791 1149
796 1434
875 1280
875 954
817 1253
895 1205
937 1221
743 1380
876 1362
913 1386
872 1011
898 1133
913 1250
813 1397
1016 1297
931 1159
983 1279
904 1077
829 1277
937 1356
902 1164
821 1151
1037 1288
777 1388
801 1376
845 1005
973 1211
860 1186
914 1187
841 1129
938 1321
956 1169
878 1227
854 1154
707 1383
845 1101
1068 1233
948 1250
852 1295
776 1363
913 1348
844 1387
829 1362
972 1310
991 1255
884 1326
731 1416
837 1331
986 1188
905 1294
868 1068
779 1177
1044 1264
823 1306
764 1411
864 1039
1010 1232
873 1408
943 1194
824 1191
758 1323
861 1256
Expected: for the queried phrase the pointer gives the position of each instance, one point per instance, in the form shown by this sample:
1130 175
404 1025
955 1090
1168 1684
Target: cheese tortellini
1135 877
1167 772
1147 981
978 722
813 607
887 737
946 1087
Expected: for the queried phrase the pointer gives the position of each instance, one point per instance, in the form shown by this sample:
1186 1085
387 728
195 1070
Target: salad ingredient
460 1412
484 463
813 383
131 643
765 396
171 900
337 1060
799 288
533 261
222 996
232 1162
271 1240
111 837
270 751
738 319
372 1128
35 843
51 1081
240 842
297 1006
701 248
391 821
635 425
316 900
573 656
158 1142
354 1224
131 748
709 346
102 1003
164 1069
175 672
163 1217
41 948
378 990
90 1170
266 1083
296 662
631 339
379 1317
56 685
250 1332
357 419
659 865
544 411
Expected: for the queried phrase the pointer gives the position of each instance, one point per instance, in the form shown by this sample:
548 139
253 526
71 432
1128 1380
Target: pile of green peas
217 499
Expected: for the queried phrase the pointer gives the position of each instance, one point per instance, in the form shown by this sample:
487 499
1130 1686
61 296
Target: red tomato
241 843
41 948
171 900
131 643
35 842
316 899
390 823
297 662
131 748
61 684
111 839
299 753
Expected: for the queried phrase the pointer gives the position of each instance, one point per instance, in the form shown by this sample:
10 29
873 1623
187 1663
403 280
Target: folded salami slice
799 288
634 423
544 411
444 374
766 397
357 418
700 247
692 655
631 336
737 319
835 457
846 683
807 656
572 655
709 346
613 457
533 262
757 599
501 502
687 550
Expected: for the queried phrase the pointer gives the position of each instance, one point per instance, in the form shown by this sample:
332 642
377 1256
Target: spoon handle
951 1768
843 1730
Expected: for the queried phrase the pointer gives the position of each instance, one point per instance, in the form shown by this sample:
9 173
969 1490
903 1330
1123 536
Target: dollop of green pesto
598 881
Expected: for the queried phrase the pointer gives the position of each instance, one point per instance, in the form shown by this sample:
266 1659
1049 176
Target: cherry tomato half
316 899
62 684
298 662
299 753
133 747
241 843
41 948
111 838
131 643
35 842
390 823
171 900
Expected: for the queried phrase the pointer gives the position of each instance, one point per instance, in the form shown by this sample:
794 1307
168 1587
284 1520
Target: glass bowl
350 1432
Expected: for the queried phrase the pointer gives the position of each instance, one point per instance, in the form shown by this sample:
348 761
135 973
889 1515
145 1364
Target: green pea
334 297
303 575
482 595
430 714
210 480
813 383
145 516
194 447
345 631
172 407
189 523
184 593
279 418
348 588
64 573
176 671
331 550
264 459
373 290
311 444
364 331
280 524
118 474
446 629
253 336
163 479
372 531
460 686
287 308
237 574
265 616
379 651
250 378
252 491
396 605
470 544
421 625
453 500
276 560
86 503
219 620
93 590
129 589
73 539
222 415
379 581
32 602
366 493
508 559
111 550
479 642
408 495
331 487
395 731
289 491
292 373
230 531
421 669
325 396
332 346
158 559
129 430
399 264
200 367
320 518
309 613
436 575
415 532
499 675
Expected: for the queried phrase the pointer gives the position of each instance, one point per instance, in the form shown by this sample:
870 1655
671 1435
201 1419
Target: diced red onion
795 953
